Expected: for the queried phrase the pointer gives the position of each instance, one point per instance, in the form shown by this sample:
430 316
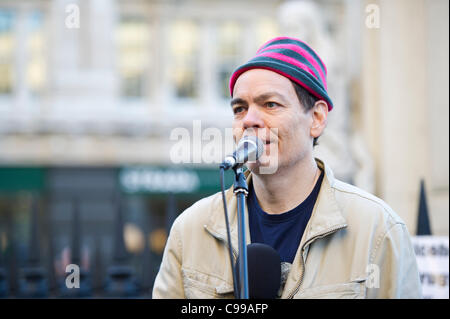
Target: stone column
405 86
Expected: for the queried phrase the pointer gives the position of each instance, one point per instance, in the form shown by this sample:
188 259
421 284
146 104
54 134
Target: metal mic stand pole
241 192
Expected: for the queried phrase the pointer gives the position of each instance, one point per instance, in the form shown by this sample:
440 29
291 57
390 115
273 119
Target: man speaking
334 240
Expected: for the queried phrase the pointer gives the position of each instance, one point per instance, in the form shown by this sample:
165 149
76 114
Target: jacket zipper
291 296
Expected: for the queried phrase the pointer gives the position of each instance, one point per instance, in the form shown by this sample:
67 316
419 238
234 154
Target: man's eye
271 105
238 109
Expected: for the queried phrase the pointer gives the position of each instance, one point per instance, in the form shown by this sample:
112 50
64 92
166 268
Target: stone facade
389 84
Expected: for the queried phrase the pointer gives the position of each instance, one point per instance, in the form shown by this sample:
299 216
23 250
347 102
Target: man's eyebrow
237 100
259 99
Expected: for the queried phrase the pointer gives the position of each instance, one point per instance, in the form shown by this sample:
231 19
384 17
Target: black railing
35 275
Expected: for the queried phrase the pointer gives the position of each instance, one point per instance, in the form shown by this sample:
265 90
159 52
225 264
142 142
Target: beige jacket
354 246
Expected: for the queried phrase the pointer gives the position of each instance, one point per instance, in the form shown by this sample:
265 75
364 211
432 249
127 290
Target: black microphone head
264 271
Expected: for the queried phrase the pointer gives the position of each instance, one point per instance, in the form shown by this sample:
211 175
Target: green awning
14 179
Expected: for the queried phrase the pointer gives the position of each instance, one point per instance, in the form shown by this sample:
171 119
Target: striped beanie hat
293 59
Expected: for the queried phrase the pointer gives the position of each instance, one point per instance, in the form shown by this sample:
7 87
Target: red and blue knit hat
293 59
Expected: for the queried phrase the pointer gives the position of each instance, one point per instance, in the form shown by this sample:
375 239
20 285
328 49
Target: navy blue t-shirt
282 231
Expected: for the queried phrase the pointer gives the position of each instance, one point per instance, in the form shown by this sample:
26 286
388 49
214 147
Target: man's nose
253 118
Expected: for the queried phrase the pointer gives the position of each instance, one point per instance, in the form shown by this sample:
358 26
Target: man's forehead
262 83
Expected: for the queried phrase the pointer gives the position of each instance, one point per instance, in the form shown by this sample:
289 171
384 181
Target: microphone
264 271
248 148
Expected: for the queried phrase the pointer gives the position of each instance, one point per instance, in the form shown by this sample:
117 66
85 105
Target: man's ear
319 115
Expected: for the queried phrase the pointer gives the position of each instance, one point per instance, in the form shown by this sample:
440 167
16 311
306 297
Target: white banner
432 260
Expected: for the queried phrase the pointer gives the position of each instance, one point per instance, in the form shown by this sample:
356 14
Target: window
133 37
184 64
266 29
36 64
229 53
7 44
22 44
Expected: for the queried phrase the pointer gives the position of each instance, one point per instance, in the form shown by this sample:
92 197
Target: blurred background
90 91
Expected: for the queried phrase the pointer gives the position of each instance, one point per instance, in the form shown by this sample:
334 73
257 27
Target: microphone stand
241 192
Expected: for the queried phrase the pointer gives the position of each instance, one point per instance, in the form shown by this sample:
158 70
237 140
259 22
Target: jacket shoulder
354 200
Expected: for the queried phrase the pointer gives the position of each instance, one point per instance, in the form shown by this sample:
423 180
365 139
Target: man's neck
287 188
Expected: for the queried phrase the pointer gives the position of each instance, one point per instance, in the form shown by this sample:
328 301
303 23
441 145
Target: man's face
264 102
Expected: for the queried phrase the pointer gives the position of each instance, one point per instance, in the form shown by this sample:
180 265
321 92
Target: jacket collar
327 214
326 217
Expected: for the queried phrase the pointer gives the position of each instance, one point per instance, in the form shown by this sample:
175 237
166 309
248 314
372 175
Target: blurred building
92 91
